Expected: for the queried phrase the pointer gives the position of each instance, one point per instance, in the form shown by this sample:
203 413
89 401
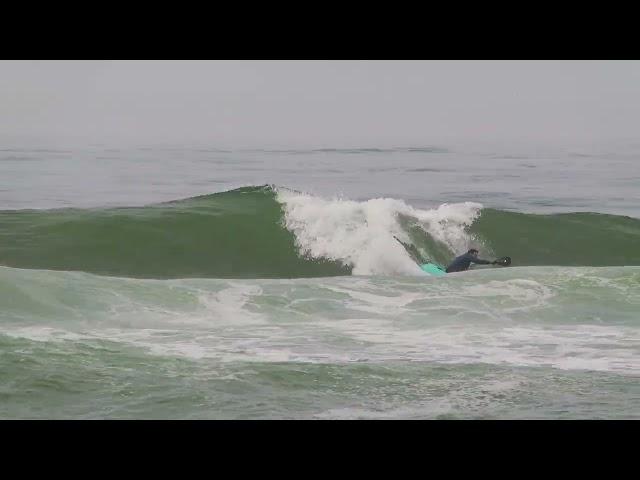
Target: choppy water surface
208 283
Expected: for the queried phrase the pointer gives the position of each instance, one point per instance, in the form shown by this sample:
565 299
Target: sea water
201 282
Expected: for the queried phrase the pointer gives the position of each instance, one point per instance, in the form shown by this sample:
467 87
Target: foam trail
360 234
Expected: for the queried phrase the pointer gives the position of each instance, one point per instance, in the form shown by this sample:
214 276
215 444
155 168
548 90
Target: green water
534 342
159 282
241 234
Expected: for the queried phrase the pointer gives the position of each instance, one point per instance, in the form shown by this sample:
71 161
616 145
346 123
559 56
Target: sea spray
361 234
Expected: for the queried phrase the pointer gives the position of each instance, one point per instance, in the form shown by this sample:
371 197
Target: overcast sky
320 103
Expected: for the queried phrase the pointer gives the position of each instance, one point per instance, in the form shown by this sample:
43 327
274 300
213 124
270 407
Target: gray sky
320 103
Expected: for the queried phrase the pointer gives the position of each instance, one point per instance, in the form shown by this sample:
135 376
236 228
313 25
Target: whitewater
182 283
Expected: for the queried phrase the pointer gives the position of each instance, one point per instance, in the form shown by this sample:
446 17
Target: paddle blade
504 261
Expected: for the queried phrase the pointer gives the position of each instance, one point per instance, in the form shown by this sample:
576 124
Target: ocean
182 282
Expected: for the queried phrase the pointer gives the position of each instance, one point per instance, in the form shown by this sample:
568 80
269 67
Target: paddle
504 261
411 250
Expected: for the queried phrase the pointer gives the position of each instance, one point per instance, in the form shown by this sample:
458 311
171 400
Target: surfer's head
473 251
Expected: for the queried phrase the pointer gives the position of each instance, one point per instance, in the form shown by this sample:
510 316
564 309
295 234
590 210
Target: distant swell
265 232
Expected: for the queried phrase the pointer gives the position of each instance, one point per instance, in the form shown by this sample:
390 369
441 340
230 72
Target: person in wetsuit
462 262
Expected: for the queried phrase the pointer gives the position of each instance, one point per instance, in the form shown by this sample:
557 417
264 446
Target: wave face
267 232
230 234
576 239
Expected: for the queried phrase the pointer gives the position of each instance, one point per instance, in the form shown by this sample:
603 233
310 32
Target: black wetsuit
462 263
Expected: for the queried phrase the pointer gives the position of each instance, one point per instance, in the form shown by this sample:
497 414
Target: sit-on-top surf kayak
433 269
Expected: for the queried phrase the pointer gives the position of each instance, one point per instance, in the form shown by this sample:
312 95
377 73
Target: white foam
474 318
43 334
228 305
580 347
376 303
526 294
360 234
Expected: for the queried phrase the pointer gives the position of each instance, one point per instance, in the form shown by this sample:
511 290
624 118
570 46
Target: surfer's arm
479 261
